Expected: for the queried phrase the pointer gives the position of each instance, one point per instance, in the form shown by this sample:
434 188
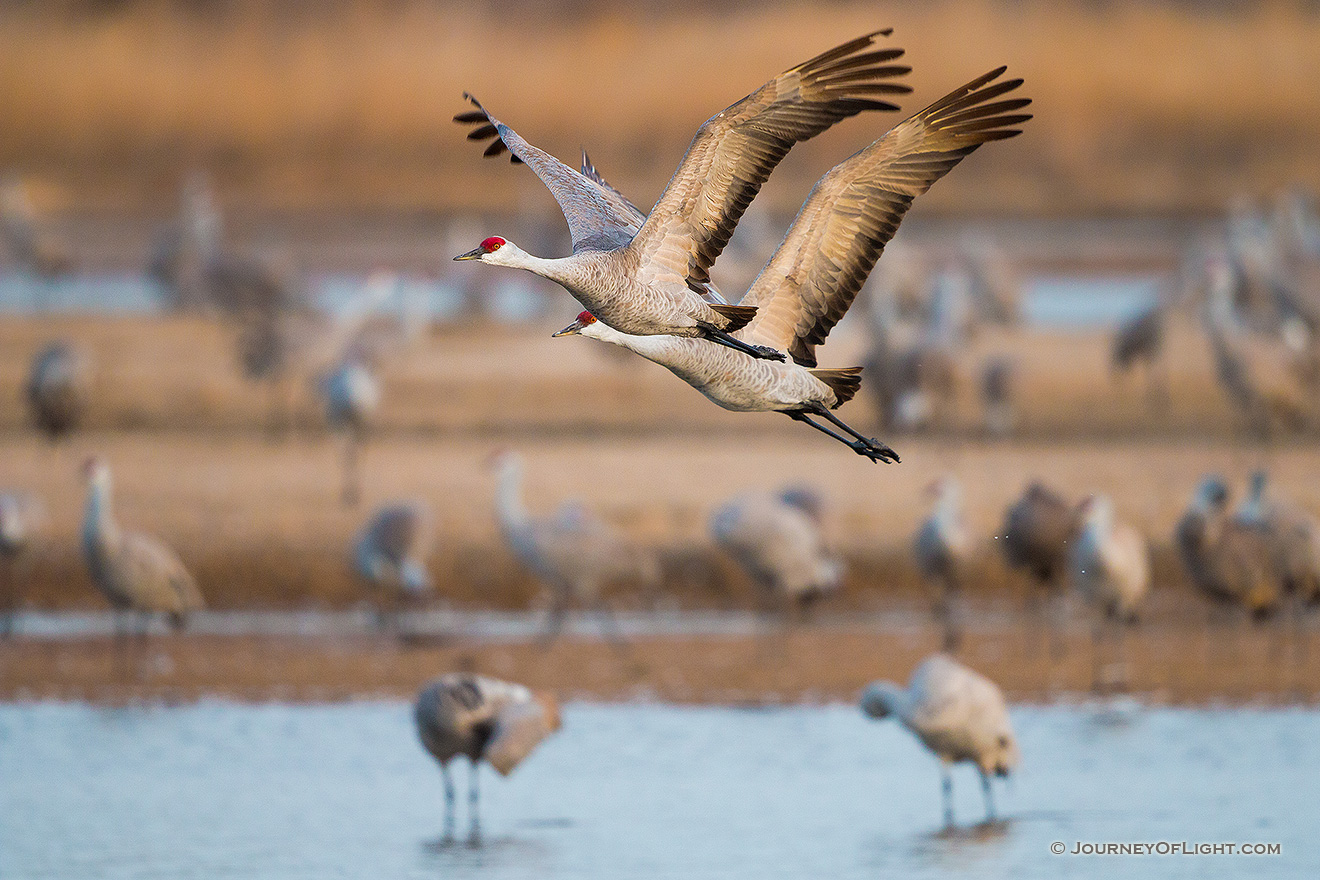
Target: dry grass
1139 106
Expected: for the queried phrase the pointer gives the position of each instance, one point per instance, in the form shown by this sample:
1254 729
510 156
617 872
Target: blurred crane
776 539
185 250
573 553
58 388
999 411
482 719
31 244
1037 530
1140 339
19 515
1109 563
958 714
351 395
943 547
1227 562
389 555
648 275
1293 535
135 571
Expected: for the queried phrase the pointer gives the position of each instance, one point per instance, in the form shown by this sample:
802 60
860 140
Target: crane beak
571 330
474 254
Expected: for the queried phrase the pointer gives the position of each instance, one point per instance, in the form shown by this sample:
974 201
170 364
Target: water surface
220 790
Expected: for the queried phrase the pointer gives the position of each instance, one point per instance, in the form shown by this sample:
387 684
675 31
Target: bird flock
644 282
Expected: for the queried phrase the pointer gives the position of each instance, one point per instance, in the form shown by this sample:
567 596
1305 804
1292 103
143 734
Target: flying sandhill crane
1140 339
58 388
1293 535
32 245
483 719
351 394
1037 531
1228 562
573 553
646 275
958 714
135 571
19 514
814 275
1109 563
776 539
943 547
390 552
997 408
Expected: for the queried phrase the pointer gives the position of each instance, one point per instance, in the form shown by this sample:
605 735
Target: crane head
486 248
95 470
584 320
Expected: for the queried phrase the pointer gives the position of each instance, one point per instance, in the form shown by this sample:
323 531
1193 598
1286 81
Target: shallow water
221 790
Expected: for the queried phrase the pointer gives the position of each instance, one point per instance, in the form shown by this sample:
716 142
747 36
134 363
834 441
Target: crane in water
482 719
959 714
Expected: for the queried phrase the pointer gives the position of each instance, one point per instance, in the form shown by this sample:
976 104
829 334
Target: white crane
136 572
943 547
814 275
59 386
483 719
958 714
1109 562
390 553
573 553
776 539
649 274
19 516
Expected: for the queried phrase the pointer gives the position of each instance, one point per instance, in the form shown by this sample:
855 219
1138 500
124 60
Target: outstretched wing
854 210
599 218
734 152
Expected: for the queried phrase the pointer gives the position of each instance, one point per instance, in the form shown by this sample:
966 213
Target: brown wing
734 152
854 210
599 218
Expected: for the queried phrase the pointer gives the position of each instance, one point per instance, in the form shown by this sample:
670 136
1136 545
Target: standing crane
776 539
1293 535
1140 339
482 719
943 547
1110 564
389 555
648 274
573 553
351 394
136 572
1228 562
1037 530
958 714
814 275
19 514
58 388
30 243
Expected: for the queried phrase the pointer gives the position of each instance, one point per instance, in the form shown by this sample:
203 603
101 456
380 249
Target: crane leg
989 798
868 446
449 802
947 786
555 619
947 610
757 351
9 586
609 627
1097 662
473 803
352 491
861 447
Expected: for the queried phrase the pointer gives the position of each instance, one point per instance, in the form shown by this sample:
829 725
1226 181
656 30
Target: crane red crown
586 318
493 243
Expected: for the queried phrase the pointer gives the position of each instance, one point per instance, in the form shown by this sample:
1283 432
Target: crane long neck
99 528
509 507
560 269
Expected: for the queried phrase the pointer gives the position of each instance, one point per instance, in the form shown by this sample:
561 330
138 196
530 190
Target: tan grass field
1148 107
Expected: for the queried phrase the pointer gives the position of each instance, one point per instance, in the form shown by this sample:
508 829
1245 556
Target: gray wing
402 530
854 210
599 217
734 152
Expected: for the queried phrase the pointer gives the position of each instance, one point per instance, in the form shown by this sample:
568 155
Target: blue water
1046 301
219 790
